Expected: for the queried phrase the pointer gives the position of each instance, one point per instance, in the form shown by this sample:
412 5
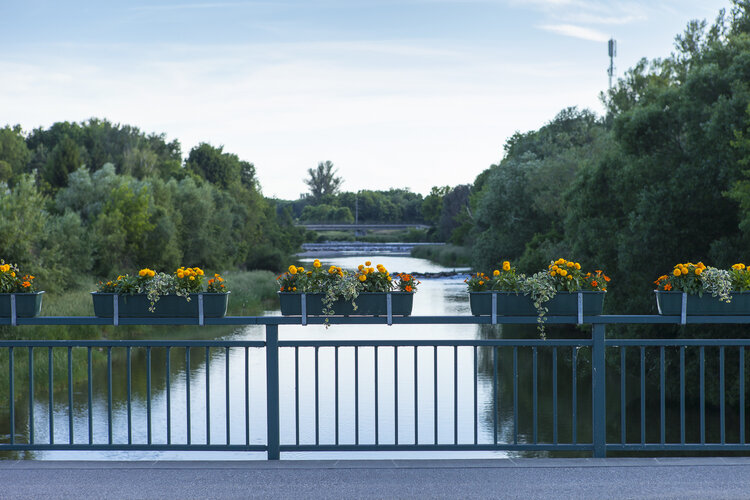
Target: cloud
575 32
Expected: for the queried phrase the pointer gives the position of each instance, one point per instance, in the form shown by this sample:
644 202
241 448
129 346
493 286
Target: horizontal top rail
134 343
383 320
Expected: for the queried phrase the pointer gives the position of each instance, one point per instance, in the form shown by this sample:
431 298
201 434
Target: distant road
361 227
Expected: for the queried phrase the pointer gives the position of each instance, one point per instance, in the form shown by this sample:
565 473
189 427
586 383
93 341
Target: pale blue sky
409 93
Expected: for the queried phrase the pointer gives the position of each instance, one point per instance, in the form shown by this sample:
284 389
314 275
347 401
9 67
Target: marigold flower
316 264
667 287
506 266
368 263
362 277
408 288
495 273
677 272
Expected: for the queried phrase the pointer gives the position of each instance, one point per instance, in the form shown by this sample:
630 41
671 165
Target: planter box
517 304
368 304
670 304
168 306
28 305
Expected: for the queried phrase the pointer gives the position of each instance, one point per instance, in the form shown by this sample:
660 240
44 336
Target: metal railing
376 395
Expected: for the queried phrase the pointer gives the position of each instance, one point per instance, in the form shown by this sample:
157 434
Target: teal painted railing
531 385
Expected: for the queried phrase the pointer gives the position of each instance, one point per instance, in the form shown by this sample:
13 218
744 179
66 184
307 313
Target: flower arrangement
336 283
561 276
183 282
12 281
697 279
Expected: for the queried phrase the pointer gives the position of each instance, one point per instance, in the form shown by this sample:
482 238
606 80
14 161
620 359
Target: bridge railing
593 395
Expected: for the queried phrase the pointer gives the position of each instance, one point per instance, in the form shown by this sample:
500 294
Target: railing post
598 392
272 390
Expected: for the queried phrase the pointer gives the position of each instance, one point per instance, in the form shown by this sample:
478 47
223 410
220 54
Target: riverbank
444 254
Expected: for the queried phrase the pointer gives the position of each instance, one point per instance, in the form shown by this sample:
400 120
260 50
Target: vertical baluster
416 397
169 395
534 394
356 395
31 395
476 398
574 385
515 395
226 392
721 396
435 395
208 395
395 393
643 395
12 395
554 395
377 436
247 396
109 395
336 393
703 393
662 396
70 395
455 394
623 403
494 394
682 394
296 394
742 395
317 400
50 386
187 394
148 394
90 392
128 376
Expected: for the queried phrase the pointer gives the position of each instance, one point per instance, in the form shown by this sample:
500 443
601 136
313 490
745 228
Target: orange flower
594 283
667 287
408 288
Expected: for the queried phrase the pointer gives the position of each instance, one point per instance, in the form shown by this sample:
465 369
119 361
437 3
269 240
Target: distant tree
64 159
323 181
14 155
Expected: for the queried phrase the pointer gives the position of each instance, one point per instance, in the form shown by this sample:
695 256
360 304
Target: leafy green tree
215 166
323 181
14 155
64 159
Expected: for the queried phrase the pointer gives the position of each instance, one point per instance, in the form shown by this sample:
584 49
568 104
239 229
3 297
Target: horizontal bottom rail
679 447
438 447
133 447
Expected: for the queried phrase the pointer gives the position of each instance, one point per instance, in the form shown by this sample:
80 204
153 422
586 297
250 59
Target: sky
396 93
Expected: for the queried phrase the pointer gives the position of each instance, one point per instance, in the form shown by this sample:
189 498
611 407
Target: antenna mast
612 54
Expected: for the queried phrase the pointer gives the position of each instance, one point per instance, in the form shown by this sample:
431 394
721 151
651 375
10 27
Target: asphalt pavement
497 478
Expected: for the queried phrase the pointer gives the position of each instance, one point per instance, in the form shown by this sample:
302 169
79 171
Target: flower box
517 304
168 306
28 305
368 304
670 304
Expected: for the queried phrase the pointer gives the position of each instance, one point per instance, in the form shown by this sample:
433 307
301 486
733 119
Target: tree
323 181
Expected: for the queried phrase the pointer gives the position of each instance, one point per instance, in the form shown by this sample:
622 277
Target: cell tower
612 54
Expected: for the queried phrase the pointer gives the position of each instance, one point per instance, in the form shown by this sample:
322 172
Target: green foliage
322 181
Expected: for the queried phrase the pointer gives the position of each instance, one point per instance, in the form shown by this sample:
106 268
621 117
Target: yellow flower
292 269
570 276
553 273
13 274
676 272
563 272
362 277
555 268
578 266
698 270
316 264
496 273
192 278
180 275
571 264
506 266
368 263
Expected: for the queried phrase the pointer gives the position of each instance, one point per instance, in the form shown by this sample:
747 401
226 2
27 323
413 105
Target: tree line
96 198
663 177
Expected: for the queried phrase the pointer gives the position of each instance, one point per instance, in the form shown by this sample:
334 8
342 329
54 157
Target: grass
445 255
